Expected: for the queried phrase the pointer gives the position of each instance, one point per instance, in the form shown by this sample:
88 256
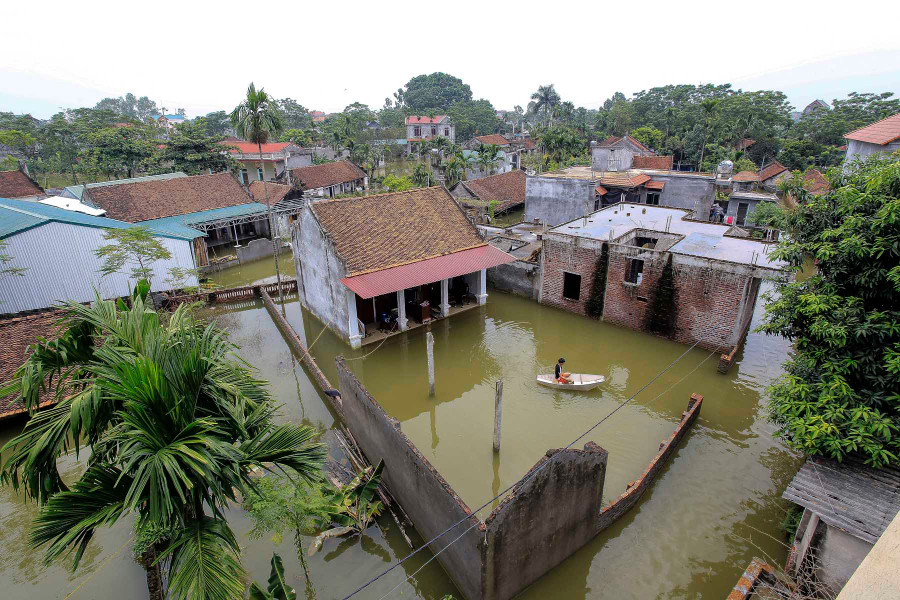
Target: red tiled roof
326 175
744 144
771 171
745 177
638 144
251 147
842 148
529 144
419 120
611 140
494 138
16 184
601 190
880 132
659 163
655 185
506 188
320 119
815 183
624 179
277 191
144 200
18 333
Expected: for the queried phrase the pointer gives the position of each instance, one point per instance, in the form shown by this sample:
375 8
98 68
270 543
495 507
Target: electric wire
520 481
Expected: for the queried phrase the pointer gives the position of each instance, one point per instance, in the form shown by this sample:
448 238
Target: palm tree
422 176
545 98
441 144
488 155
710 106
175 423
454 170
256 119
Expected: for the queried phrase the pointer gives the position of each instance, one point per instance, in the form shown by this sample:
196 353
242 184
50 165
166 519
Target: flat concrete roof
761 196
701 239
587 174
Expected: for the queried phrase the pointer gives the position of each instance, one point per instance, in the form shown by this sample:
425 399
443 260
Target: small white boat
581 382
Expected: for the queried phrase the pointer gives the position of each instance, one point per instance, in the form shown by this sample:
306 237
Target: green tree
175 424
543 101
190 149
300 137
648 136
19 141
437 91
121 150
839 395
278 588
422 176
216 123
488 155
473 118
293 114
392 183
256 119
132 251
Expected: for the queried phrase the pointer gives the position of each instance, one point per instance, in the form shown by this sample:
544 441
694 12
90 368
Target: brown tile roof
771 170
326 175
614 139
16 184
494 138
745 177
507 188
277 191
655 185
660 163
17 334
624 179
815 183
375 232
601 190
146 200
610 141
744 144
880 132
529 144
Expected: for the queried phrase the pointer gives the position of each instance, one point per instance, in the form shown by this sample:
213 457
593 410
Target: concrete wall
429 500
319 271
520 278
694 192
877 578
255 250
612 159
839 554
556 200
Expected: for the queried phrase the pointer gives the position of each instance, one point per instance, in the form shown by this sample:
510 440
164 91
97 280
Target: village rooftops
881 132
326 175
422 120
506 188
771 170
16 184
815 183
147 200
19 332
698 238
494 138
595 175
77 191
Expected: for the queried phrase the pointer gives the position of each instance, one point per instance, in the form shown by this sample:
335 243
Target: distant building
506 189
18 332
372 266
810 108
772 174
170 121
511 158
277 157
617 153
880 137
815 183
57 247
17 184
330 179
419 129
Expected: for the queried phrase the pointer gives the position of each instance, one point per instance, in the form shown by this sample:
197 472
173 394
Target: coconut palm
488 155
454 170
544 99
175 423
710 108
256 119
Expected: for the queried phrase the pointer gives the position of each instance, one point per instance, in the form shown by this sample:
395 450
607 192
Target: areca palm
544 99
175 422
256 119
488 155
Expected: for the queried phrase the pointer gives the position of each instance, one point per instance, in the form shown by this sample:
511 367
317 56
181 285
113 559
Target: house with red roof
880 137
276 158
617 153
423 128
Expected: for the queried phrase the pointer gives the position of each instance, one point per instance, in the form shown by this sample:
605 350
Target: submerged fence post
498 410
429 345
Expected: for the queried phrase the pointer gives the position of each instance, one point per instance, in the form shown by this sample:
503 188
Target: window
434 131
259 174
417 132
446 132
571 286
653 198
635 271
244 176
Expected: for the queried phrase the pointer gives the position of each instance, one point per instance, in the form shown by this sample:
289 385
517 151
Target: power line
520 481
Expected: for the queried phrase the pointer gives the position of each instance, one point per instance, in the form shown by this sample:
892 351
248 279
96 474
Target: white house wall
61 266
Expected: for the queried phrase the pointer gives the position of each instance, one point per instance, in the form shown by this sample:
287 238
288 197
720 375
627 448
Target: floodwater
712 508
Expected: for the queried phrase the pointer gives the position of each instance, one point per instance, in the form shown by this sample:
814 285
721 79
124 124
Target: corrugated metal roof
19 215
848 495
429 270
180 225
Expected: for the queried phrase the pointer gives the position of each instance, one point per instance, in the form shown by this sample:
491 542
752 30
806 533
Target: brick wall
562 257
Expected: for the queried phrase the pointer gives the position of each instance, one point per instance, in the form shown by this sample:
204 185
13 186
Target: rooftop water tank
725 168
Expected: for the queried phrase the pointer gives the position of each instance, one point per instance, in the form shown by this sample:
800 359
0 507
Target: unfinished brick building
715 280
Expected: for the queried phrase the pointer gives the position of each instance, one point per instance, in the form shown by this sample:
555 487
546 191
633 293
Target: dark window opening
434 131
653 198
645 242
417 132
597 203
571 286
635 271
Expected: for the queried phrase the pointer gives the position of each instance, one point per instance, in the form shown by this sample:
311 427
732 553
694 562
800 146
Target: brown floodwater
712 508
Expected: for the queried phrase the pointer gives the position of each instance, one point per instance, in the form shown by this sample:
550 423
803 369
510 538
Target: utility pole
429 347
498 411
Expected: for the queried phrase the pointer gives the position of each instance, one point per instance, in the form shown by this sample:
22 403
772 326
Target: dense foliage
437 91
840 394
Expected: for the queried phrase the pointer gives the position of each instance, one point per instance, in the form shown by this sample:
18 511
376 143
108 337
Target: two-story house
420 129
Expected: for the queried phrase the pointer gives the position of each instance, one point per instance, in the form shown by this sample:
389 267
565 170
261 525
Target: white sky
202 55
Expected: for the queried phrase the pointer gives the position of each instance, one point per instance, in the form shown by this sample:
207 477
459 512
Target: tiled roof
529 144
659 163
494 138
277 191
385 230
507 188
16 184
624 179
166 198
601 190
252 148
771 170
880 132
655 185
18 333
815 183
610 141
328 174
76 191
614 139
419 120
745 177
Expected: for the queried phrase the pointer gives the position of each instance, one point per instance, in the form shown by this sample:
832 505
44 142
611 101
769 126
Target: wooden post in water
498 410
429 346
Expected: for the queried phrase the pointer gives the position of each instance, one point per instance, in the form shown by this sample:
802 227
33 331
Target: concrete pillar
401 310
445 297
353 320
481 288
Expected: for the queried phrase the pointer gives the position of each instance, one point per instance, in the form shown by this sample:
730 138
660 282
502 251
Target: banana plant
353 507
278 587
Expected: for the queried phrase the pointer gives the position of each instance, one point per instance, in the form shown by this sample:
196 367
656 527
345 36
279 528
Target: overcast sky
201 56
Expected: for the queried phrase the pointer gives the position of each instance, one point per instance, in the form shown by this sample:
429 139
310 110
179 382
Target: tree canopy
437 91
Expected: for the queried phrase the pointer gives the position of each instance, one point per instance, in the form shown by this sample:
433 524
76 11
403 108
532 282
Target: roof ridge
23 211
409 262
397 193
871 124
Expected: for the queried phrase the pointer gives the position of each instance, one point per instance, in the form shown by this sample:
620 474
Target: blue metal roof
17 216
180 225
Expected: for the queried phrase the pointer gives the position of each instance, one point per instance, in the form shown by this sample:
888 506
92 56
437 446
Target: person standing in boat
561 376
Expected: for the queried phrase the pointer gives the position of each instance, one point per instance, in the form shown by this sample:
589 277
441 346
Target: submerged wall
521 278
